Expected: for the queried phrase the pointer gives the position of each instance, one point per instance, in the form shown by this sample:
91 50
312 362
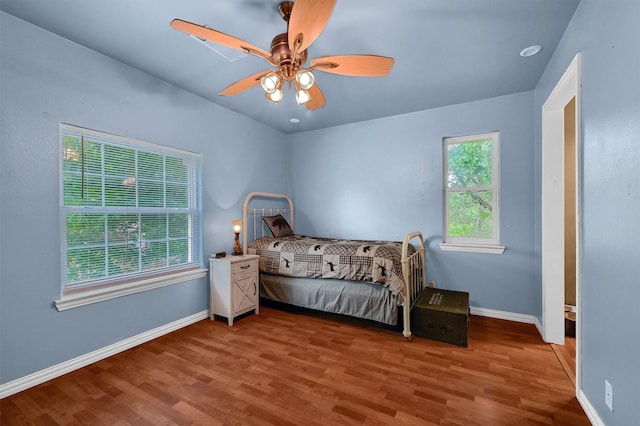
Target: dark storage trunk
442 315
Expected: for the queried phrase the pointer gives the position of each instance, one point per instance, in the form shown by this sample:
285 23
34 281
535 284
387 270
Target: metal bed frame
413 265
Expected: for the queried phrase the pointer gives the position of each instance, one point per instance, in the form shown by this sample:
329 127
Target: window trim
465 244
75 300
101 289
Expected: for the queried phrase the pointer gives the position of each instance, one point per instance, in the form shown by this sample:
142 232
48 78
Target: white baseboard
509 316
18 385
591 412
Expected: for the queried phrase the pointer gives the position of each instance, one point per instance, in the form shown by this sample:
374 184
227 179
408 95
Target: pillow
278 225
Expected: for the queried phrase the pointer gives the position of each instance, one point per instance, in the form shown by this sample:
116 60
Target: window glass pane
92 154
178 225
469 164
177 195
82 192
85 264
85 229
150 166
119 162
150 193
154 226
119 192
92 191
71 154
72 190
178 252
470 214
120 169
177 170
124 258
154 254
123 228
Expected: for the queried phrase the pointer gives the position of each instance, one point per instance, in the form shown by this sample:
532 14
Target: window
471 216
129 213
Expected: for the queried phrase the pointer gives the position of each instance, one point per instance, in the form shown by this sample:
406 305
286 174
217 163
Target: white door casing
553 208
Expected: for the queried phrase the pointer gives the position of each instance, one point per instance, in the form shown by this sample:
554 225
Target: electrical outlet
608 394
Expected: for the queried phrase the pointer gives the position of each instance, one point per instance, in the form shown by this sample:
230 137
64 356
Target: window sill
96 296
473 248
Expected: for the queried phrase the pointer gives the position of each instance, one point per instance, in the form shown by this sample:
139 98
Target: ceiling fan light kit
276 96
305 79
302 96
306 19
270 82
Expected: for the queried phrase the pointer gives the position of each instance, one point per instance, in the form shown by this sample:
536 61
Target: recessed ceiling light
530 51
294 120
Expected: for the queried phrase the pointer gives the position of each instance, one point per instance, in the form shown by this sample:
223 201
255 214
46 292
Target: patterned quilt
314 257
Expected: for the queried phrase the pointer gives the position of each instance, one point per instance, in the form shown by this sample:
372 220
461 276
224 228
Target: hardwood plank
567 356
310 368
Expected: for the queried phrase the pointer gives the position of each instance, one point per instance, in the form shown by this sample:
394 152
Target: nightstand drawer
248 266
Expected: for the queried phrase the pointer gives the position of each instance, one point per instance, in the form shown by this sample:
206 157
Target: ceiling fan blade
354 65
317 98
220 38
244 84
308 19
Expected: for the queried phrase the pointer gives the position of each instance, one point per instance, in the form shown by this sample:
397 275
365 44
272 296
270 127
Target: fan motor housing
281 54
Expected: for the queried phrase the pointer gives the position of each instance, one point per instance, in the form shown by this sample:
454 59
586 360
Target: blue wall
46 80
397 166
608 35
382 179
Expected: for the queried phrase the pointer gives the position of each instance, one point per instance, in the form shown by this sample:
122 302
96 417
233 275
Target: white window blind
129 210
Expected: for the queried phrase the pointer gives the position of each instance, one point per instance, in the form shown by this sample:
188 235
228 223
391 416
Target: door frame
552 208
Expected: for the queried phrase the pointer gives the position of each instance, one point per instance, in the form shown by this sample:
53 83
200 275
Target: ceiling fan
306 20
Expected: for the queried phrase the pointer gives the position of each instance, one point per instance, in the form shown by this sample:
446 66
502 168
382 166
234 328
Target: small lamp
237 228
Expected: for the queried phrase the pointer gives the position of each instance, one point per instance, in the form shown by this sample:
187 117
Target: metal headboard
257 213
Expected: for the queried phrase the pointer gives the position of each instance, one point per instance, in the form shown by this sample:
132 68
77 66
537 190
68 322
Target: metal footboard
413 271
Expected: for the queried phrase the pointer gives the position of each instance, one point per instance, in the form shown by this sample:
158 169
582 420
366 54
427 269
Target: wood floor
284 368
567 356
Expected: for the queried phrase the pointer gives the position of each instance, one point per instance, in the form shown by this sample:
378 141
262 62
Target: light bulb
276 96
302 96
305 79
269 82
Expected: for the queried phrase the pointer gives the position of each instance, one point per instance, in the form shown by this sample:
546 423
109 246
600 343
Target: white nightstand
234 286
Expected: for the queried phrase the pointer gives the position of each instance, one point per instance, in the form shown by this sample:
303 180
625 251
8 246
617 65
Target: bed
374 280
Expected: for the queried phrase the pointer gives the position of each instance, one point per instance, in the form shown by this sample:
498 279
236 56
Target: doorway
561 211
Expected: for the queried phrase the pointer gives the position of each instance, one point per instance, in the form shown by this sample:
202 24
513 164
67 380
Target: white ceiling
446 51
